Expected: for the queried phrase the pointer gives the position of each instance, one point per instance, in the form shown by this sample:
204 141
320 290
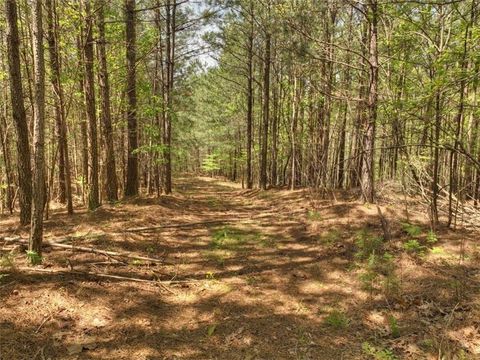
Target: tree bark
65 185
111 185
368 166
266 113
131 186
89 86
38 194
18 114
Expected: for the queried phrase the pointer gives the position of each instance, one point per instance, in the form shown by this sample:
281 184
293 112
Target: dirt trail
270 279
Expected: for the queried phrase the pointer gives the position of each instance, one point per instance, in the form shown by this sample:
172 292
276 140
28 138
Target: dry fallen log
91 250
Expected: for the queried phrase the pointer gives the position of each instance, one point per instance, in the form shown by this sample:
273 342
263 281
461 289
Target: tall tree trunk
83 121
266 113
93 188
368 167
131 186
18 113
38 194
111 186
60 120
436 160
250 99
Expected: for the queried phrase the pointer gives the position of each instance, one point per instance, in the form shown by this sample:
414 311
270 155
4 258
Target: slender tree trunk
436 161
293 130
83 121
38 194
93 188
250 100
368 167
131 186
60 119
111 186
266 113
18 113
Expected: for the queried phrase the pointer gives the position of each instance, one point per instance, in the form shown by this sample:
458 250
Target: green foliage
367 244
413 246
378 353
34 258
211 329
210 163
393 325
412 230
431 237
314 215
337 320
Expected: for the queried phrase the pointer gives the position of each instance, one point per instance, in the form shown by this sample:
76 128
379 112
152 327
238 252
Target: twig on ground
95 251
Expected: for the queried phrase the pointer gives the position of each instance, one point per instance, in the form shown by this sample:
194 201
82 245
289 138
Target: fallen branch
107 276
91 250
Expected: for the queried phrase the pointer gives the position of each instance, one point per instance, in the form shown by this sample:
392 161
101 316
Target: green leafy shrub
34 258
431 237
412 230
413 246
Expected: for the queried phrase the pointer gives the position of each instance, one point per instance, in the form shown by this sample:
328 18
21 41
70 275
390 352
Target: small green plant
314 215
136 262
412 230
367 244
378 353
337 320
33 257
393 325
431 237
211 329
413 246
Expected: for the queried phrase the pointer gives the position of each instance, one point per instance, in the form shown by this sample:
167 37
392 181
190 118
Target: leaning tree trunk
19 115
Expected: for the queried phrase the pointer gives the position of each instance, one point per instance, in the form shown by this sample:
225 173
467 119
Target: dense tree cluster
347 94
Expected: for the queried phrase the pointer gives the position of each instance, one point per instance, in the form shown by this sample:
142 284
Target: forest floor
245 275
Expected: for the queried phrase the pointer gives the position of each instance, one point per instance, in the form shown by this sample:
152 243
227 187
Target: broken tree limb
91 250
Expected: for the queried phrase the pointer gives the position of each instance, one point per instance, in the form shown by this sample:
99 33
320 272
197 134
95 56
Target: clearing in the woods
243 275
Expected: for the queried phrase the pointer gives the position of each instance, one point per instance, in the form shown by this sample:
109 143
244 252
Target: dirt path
270 279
